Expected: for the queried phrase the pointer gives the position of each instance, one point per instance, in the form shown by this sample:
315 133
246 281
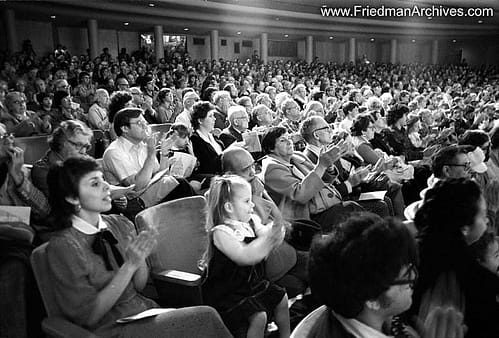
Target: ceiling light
277 19
429 18
286 35
413 40
480 21
238 33
330 38
52 16
151 5
372 39
186 29
126 23
324 5
454 41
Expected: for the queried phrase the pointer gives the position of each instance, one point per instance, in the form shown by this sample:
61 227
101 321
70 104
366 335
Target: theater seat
161 128
55 325
181 243
34 147
306 328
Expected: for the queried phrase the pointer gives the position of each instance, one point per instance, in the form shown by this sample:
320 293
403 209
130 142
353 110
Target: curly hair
379 248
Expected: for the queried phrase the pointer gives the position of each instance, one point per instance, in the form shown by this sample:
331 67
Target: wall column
10 28
309 49
214 44
264 48
393 51
434 52
93 38
159 49
55 34
351 49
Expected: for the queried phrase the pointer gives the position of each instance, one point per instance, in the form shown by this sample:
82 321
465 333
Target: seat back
34 147
45 284
182 236
306 328
161 128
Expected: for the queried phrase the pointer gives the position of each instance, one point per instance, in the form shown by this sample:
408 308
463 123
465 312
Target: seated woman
98 115
206 146
97 263
396 135
453 217
295 183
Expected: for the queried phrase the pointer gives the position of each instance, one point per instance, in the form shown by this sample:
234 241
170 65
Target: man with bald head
238 124
285 265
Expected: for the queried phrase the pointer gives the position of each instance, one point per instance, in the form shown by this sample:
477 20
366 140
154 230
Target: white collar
87 228
357 328
128 145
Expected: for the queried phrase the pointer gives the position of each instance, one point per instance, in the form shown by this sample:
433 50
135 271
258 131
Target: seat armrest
61 327
179 277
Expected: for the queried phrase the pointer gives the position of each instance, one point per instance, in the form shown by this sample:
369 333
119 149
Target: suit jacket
290 188
209 160
230 135
330 175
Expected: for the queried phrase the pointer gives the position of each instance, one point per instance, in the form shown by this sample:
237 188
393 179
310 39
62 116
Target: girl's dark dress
237 292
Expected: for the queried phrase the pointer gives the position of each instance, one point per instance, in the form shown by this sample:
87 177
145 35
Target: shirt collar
128 145
87 228
357 328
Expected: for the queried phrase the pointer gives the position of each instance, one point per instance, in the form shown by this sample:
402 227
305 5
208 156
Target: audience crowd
396 166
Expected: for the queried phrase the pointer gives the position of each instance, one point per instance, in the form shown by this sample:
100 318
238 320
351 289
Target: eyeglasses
6 136
140 123
80 146
242 118
411 272
328 128
466 165
19 101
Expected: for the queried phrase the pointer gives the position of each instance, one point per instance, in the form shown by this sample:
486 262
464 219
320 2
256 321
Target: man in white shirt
185 116
131 159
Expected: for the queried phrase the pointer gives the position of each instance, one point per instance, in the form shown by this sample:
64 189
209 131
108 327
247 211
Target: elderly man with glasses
238 124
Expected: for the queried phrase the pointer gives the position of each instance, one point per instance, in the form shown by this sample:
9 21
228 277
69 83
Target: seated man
317 134
238 124
285 265
364 272
131 159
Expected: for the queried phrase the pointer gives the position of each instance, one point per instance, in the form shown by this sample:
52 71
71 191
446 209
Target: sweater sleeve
281 180
70 268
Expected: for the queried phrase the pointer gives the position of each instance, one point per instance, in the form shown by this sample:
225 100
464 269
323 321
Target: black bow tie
99 248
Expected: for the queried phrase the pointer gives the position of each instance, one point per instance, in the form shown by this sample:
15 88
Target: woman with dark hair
97 263
452 217
396 135
206 146
63 110
207 94
362 131
165 109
